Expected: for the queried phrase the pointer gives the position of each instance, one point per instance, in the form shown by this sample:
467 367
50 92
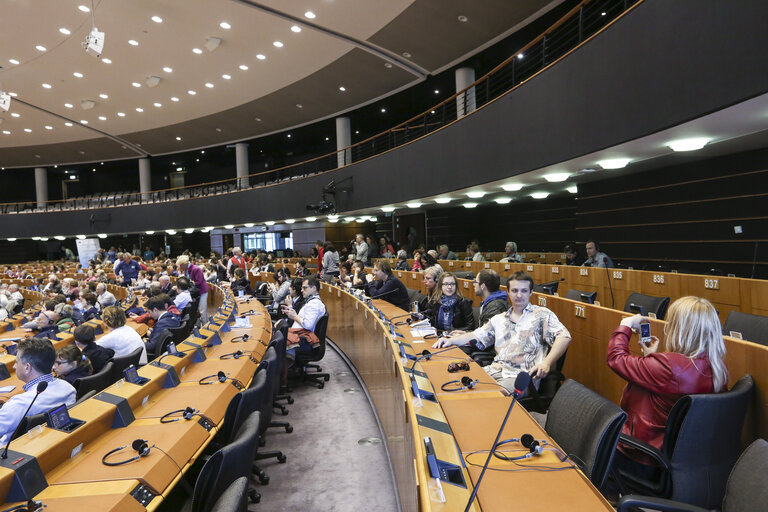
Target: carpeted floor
328 469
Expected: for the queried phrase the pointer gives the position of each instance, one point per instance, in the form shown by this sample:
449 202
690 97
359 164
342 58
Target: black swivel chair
84 397
234 499
272 365
180 333
279 342
701 444
121 363
164 339
586 426
27 423
464 274
649 304
304 360
549 288
746 489
752 328
574 294
96 382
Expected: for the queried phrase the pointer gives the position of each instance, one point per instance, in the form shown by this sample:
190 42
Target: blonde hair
182 260
113 316
693 330
439 288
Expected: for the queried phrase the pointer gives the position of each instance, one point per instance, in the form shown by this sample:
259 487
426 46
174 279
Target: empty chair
273 384
304 359
234 498
119 364
180 333
165 338
549 288
586 425
647 304
84 398
588 297
746 488
751 327
701 444
96 382
464 274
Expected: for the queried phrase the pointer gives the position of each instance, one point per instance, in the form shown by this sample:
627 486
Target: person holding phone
693 362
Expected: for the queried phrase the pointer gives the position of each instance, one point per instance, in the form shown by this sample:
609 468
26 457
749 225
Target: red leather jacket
655 383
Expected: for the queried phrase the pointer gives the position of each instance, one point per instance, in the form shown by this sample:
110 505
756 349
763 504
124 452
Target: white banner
86 249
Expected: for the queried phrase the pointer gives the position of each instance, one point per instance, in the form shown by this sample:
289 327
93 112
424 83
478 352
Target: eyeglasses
458 366
449 284
60 362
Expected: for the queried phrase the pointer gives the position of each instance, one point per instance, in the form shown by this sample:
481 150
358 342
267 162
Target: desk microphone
521 384
41 386
608 273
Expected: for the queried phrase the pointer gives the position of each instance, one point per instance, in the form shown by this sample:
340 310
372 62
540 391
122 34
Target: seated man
510 254
388 286
46 324
402 261
34 363
85 339
572 256
520 336
87 305
183 297
164 319
16 295
487 284
104 298
165 286
66 314
304 321
446 254
595 258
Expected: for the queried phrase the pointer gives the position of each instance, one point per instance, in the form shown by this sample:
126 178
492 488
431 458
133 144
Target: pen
17 461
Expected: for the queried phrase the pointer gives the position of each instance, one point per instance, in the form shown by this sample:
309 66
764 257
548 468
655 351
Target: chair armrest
647 449
631 502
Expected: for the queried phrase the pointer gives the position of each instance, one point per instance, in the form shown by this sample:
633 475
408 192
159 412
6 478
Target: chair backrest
95 382
84 397
464 274
703 440
579 295
27 423
121 363
752 327
227 431
651 304
178 334
320 329
272 367
235 498
586 426
746 488
279 343
163 340
254 399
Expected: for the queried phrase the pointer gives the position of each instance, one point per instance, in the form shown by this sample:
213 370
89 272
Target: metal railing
582 22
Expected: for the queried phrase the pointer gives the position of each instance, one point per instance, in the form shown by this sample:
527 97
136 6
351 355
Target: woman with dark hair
416 262
345 272
240 282
330 262
450 310
385 248
70 364
427 261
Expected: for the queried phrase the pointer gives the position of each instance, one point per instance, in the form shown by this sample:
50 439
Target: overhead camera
323 207
5 101
94 43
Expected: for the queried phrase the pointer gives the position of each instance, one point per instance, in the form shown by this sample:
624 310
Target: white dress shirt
57 393
123 341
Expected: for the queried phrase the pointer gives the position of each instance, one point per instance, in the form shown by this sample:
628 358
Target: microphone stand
610 286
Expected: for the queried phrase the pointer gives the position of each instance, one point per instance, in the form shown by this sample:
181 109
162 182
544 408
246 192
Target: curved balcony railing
576 27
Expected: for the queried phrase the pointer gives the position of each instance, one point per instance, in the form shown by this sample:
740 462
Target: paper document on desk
421 331
7 389
242 323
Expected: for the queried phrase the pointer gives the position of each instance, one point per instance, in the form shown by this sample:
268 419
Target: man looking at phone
519 336
301 336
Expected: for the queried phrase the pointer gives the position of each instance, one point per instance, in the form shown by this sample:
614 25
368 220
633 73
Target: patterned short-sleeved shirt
519 345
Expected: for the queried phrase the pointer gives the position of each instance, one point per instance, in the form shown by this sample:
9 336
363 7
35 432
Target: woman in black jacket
450 310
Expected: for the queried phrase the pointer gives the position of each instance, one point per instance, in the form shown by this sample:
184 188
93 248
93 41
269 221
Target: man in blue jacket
129 268
164 319
388 287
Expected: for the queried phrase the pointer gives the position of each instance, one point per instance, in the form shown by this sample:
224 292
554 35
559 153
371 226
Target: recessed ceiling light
289 135
178 138
209 85
299 105
469 205
133 42
573 189
539 195
388 209
103 96
197 51
121 114
503 200
150 232
443 200
311 219
68 105
437 91
27 130
83 8
225 77
243 67
290 221
463 18
157 19
557 177
191 92
41 48
6 132
158 105
139 109
46 86
691 144
310 15
512 187
136 84
170 231
277 44
13 61
106 61
261 56
174 98
477 194
102 118
388 65
413 205
189 230
296 28
327 139
270 223
342 88
225 25
407 55
614 163
431 111
167 69
357 132
603 13
12 94
15 114
64 31
67 124
383 110
77 74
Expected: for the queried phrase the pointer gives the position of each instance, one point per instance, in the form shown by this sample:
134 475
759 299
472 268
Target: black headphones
247 313
466 383
221 377
244 337
534 447
237 355
141 447
187 413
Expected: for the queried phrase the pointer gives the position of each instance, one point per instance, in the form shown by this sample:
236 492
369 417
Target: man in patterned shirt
520 336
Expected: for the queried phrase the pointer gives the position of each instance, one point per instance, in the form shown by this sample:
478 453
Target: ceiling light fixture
209 85
557 177
310 15
261 56
503 200
150 232
614 163
243 67
388 209
167 69
191 92
539 195
13 61
83 8
170 231
158 105
15 114
121 114
64 31
41 48
249 224
463 19
229 226
157 19
296 28
290 221
67 124
342 88
46 86
311 219
443 200
477 194
136 84
413 205
106 61
225 25
573 189
133 42
139 109
270 223
68 105
197 51
469 205
189 231
225 76
103 235
277 44
174 98
102 118
103 96
691 144
178 138
80 237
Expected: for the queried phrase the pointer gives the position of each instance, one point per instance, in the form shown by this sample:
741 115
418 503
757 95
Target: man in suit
164 319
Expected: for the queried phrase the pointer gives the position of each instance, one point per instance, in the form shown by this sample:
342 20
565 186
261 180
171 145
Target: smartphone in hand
645 333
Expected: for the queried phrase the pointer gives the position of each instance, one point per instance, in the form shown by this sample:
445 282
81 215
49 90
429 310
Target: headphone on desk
244 337
141 447
237 355
220 377
187 413
534 447
465 383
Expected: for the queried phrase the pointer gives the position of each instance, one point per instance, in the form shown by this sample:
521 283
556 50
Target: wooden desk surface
213 403
101 497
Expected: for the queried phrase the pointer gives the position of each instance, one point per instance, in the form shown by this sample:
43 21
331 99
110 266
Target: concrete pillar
41 186
145 179
343 140
241 164
465 103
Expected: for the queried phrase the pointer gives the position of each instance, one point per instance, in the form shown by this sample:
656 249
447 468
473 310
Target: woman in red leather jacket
693 363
